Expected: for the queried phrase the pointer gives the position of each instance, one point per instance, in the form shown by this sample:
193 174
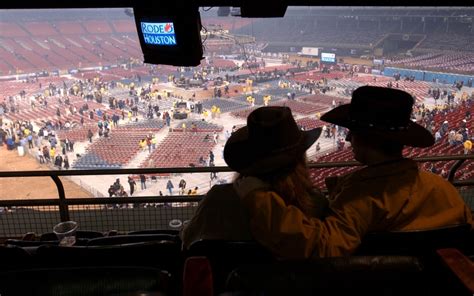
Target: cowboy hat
270 141
382 112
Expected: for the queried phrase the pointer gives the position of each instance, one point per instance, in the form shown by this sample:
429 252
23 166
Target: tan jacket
393 196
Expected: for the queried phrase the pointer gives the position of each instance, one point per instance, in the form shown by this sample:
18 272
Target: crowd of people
145 98
43 145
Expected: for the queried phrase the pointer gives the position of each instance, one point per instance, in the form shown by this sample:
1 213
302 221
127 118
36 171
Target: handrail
63 211
136 171
64 203
100 200
452 171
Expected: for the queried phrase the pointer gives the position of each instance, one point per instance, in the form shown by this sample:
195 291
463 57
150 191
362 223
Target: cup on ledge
66 233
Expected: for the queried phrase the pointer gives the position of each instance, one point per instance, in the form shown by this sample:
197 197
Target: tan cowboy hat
383 112
270 141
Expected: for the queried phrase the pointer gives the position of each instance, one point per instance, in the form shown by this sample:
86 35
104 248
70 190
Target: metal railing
144 212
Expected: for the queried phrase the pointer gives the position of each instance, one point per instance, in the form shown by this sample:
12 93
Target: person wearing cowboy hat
272 148
389 194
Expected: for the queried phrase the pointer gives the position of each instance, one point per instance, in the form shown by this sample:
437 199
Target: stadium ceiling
38 4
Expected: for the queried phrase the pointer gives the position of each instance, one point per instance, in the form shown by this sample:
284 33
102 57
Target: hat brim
415 135
245 157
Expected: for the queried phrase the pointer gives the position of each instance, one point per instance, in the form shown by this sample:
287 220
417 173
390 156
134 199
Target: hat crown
380 107
273 128
270 141
384 113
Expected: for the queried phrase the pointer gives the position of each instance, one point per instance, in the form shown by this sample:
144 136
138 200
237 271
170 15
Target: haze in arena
76 95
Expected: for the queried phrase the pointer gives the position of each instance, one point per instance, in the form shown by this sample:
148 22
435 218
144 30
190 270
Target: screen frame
187 31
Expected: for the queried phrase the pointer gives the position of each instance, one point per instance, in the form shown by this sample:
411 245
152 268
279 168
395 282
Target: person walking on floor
170 187
66 162
143 181
132 184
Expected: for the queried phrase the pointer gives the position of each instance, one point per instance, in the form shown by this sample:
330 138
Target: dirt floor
31 187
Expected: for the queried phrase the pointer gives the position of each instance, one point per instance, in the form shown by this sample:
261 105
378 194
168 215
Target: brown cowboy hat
270 141
383 112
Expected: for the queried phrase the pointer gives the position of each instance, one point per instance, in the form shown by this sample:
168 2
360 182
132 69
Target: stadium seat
197 277
356 275
13 257
50 236
90 280
135 238
154 231
224 256
417 242
165 255
22 243
461 270
424 245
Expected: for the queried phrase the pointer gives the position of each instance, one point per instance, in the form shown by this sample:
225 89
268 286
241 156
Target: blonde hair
294 186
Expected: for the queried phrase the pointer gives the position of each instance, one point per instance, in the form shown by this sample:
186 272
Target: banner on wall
436 77
310 51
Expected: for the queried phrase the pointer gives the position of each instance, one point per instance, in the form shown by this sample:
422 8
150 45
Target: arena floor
32 187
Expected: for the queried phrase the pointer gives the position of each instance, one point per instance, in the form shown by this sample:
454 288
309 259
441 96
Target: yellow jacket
467 145
386 197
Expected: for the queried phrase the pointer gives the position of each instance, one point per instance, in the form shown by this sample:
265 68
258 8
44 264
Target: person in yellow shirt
467 146
266 99
213 111
52 153
389 194
142 144
251 100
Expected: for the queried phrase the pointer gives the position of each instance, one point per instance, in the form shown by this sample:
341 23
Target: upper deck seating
69 27
12 30
124 26
40 28
97 26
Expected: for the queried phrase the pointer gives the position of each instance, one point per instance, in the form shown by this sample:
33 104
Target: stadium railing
127 214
